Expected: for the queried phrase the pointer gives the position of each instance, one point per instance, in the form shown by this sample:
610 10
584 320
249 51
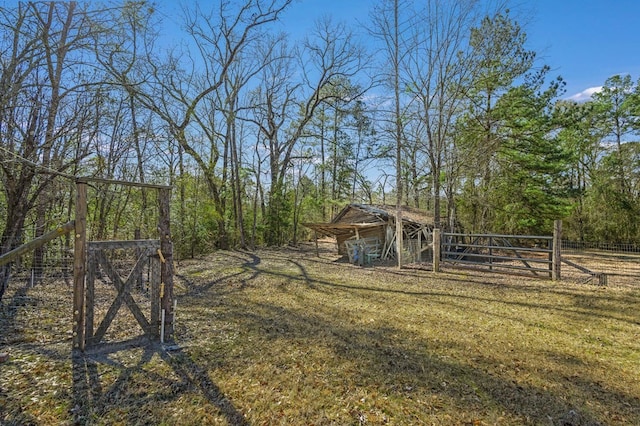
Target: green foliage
616 105
604 171
195 218
498 46
615 204
521 184
279 216
530 185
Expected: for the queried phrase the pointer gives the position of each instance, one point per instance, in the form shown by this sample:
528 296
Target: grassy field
286 338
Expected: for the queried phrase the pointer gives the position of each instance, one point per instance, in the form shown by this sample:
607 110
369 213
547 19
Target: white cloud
585 95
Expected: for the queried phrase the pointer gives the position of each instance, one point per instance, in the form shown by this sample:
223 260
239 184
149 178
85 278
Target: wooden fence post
436 250
556 255
491 253
399 236
138 282
154 291
79 265
90 295
166 266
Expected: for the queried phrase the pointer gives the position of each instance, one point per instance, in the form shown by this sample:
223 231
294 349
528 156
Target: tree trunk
11 236
55 64
323 166
398 131
235 181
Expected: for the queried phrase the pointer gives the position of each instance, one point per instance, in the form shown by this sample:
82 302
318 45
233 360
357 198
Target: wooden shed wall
378 232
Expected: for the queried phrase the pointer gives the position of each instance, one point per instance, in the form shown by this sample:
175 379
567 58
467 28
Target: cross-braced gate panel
106 286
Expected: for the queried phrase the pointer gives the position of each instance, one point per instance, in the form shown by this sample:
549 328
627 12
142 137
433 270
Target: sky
584 41
587 41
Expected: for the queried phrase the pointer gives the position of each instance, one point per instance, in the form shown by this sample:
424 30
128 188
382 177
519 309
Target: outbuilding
367 232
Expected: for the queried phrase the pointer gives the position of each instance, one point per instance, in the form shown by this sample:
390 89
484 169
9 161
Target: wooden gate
98 260
88 256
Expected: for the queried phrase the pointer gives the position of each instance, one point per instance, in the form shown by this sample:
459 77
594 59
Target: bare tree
176 96
390 27
241 73
121 55
285 106
45 105
438 71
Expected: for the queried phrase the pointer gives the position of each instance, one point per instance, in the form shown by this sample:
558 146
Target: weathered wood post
79 265
154 292
138 282
436 250
491 253
399 236
419 254
556 251
90 294
166 258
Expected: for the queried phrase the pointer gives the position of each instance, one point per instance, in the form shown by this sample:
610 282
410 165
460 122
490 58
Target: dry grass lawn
281 337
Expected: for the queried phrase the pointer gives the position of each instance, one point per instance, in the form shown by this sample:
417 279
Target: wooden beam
166 266
79 265
38 242
90 296
557 257
399 235
361 225
87 179
155 296
124 244
436 250
578 267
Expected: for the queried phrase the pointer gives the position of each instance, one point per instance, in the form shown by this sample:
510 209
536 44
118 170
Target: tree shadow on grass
144 390
18 300
250 265
406 366
403 367
602 311
410 369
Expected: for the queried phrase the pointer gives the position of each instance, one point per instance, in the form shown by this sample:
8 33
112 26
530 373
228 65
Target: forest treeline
437 104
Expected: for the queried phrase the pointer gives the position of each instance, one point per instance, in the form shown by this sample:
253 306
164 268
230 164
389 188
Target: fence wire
619 262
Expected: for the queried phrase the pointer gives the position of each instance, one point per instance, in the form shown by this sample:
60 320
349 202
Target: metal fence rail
523 253
542 256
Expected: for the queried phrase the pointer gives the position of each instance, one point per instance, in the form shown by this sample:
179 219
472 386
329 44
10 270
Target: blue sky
584 41
587 41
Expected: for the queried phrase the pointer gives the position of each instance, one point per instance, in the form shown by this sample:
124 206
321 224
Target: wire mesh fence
600 263
56 265
619 262
22 318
